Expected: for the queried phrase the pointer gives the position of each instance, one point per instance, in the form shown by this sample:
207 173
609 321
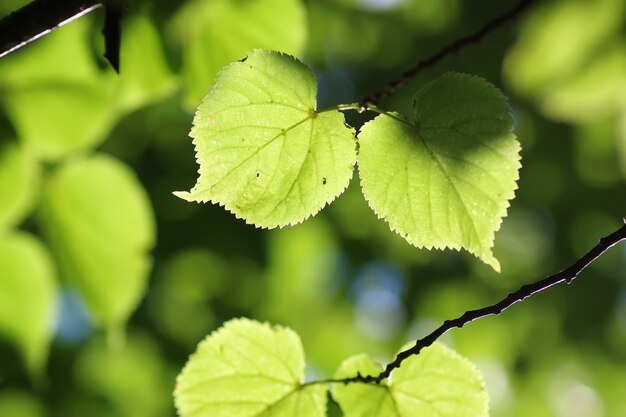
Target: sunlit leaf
57 107
443 178
247 369
265 153
99 222
19 180
551 36
144 73
61 102
27 292
597 90
214 33
582 75
436 383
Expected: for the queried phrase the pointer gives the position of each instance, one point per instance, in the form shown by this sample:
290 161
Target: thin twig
453 48
567 276
40 17
37 19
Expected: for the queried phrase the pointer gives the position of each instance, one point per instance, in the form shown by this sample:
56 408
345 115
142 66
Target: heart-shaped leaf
436 383
264 150
248 369
99 222
444 177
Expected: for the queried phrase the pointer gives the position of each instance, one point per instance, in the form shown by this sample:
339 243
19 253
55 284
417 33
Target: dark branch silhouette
567 275
41 17
453 48
112 32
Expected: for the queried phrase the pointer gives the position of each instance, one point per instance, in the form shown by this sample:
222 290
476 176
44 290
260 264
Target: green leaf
215 33
553 24
27 292
19 180
582 75
144 75
595 92
98 220
56 108
59 109
247 369
436 383
443 178
265 153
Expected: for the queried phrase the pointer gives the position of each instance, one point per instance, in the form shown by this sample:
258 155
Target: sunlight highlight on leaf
19 182
248 369
265 152
444 178
214 33
582 75
98 220
27 292
436 383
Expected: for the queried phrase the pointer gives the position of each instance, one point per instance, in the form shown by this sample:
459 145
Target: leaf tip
491 260
187 196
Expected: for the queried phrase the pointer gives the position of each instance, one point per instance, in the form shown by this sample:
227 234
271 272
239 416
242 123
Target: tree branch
567 275
453 48
41 17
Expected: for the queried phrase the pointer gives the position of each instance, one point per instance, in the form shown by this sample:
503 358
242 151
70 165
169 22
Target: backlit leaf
27 292
144 74
436 383
59 109
215 33
19 180
248 369
99 222
444 177
582 75
264 150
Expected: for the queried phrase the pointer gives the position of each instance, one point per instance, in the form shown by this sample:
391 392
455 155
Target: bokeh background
89 160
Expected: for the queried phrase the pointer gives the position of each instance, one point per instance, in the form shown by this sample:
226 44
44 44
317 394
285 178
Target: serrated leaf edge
491 261
188 195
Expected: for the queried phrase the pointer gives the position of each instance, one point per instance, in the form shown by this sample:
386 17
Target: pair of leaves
94 213
441 178
99 227
247 369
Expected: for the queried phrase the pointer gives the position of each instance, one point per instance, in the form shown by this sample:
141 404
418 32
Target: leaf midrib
434 158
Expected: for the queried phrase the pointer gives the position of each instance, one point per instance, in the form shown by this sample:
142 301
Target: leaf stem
565 276
361 107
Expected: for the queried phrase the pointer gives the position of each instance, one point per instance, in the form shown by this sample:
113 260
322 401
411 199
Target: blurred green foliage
342 280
